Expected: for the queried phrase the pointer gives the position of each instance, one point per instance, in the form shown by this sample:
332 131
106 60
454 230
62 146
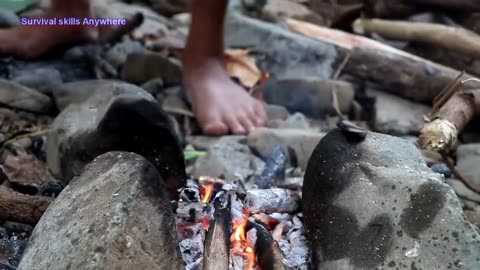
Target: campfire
221 228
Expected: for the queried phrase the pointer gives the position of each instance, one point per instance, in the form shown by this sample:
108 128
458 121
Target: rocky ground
60 113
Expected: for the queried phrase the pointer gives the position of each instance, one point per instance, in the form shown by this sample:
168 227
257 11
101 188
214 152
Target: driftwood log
402 73
21 208
269 255
453 38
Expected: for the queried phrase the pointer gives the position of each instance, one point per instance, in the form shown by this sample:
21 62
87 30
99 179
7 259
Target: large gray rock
310 96
228 158
374 204
115 215
468 161
119 116
300 142
20 97
398 116
142 67
281 52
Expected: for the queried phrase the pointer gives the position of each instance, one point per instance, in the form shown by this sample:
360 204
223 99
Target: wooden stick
21 208
453 38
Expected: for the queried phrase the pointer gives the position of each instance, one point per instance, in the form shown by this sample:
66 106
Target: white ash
281 216
191 192
272 200
191 244
252 237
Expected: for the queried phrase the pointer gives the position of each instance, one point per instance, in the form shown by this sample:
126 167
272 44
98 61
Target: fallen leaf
26 170
189 155
241 65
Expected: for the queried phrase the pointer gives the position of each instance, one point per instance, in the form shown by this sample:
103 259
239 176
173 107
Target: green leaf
16 5
189 155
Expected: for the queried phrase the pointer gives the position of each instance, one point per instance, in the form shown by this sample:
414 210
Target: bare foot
219 104
33 41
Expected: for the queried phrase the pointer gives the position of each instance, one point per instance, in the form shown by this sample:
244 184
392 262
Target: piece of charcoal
274 170
52 189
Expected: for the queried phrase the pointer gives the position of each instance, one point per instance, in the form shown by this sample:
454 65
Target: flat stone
301 143
276 112
462 191
397 116
468 160
373 203
282 53
142 67
115 215
228 158
20 97
119 116
310 96
42 79
204 143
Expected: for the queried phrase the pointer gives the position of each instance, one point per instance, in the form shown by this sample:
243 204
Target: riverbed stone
115 215
17 96
282 53
230 159
299 143
468 160
373 203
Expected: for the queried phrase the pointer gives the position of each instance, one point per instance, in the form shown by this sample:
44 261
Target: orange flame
240 244
207 193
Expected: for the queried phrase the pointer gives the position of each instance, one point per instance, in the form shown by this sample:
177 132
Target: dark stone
52 189
442 168
121 117
350 187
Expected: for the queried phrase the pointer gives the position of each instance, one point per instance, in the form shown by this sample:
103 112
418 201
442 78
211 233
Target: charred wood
217 242
269 255
274 168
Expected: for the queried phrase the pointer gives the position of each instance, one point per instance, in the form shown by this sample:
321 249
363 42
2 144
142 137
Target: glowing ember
208 187
239 243
207 192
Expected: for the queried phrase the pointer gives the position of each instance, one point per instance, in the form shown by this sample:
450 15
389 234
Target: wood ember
21 208
269 255
272 200
217 243
453 38
274 170
193 212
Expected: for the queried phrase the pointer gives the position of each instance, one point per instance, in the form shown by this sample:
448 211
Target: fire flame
207 193
208 188
240 244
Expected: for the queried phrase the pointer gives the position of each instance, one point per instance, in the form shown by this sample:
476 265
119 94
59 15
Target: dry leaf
241 65
26 170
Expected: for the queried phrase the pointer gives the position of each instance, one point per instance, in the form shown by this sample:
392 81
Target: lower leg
219 104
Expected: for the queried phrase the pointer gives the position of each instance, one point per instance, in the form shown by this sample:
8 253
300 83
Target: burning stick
217 243
269 255
274 200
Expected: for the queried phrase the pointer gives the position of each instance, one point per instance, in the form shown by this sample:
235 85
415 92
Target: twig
336 104
457 174
342 66
445 95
